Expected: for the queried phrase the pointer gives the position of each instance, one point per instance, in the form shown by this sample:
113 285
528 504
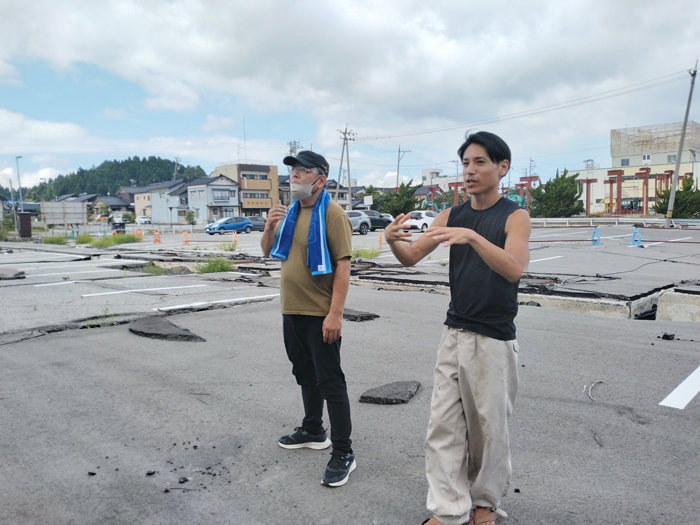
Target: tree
686 203
396 203
190 218
559 198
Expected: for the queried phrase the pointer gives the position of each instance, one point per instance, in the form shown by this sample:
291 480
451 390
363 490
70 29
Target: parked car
377 221
360 222
258 223
421 220
229 224
142 219
388 216
101 218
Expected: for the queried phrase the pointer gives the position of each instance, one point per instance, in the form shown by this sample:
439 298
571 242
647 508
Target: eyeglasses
305 171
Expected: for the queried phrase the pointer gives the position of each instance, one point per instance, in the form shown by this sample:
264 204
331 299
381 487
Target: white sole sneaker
315 445
344 480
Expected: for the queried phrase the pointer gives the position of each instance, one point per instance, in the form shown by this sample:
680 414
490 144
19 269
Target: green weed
54 240
228 246
111 240
365 253
153 269
83 238
214 265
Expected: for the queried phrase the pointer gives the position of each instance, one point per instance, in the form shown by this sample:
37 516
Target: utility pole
672 198
21 206
14 205
398 163
177 162
346 136
294 146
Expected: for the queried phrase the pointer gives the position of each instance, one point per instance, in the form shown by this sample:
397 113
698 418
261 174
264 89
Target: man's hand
450 236
274 216
394 232
332 326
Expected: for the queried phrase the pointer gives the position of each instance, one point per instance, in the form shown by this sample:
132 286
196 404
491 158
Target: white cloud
214 122
384 68
113 114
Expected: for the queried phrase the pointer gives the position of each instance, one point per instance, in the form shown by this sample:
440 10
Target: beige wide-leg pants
467 449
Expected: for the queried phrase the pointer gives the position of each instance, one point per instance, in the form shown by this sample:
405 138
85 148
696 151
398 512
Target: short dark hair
495 146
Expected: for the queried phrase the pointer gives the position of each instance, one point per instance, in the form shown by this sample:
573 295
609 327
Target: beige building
258 185
643 161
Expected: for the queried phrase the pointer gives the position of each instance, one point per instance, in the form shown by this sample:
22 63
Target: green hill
108 177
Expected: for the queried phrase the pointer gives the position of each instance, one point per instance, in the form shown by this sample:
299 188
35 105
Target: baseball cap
308 159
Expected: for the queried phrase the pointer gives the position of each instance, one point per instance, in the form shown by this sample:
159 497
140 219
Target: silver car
360 222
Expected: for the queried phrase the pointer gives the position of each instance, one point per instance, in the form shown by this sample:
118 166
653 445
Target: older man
313 239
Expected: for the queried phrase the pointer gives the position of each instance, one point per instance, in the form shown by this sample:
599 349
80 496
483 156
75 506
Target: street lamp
21 206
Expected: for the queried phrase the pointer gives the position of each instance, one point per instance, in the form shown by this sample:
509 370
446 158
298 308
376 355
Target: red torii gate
588 183
618 174
644 174
456 186
526 182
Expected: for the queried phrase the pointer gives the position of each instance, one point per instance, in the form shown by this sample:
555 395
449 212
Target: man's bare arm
410 254
333 323
510 261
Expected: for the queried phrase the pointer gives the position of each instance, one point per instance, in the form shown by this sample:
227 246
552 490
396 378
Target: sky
213 82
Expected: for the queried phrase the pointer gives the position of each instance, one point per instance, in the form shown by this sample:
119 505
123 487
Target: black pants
316 367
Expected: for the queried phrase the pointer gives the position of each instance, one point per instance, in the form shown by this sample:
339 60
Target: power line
633 88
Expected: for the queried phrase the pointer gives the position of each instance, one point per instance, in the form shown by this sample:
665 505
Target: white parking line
103 263
239 300
548 258
671 240
684 393
65 273
144 290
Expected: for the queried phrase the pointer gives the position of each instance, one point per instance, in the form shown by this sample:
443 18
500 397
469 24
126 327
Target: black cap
308 159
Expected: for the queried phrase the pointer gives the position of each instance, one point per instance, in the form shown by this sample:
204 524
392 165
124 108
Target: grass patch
38 229
83 238
111 240
214 265
54 240
153 269
365 253
228 246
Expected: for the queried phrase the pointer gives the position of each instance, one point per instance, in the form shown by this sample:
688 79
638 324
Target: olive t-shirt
300 292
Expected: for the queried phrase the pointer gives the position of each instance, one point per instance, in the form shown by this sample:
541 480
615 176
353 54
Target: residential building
213 198
437 178
114 203
258 186
342 197
161 204
178 205
140 196
284 189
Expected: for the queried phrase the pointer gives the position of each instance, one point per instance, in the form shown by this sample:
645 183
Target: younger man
313 238
476 375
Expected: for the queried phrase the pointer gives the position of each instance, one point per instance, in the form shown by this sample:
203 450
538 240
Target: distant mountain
110 175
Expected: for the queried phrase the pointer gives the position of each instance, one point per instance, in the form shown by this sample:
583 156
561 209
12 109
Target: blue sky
81 82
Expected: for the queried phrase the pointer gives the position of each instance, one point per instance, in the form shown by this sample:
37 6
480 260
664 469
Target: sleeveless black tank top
482 300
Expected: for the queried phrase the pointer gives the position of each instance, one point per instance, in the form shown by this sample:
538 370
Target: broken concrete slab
391 394
161 328
11 273
357 316
675 306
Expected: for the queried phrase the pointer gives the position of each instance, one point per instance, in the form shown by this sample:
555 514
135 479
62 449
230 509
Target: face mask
302 192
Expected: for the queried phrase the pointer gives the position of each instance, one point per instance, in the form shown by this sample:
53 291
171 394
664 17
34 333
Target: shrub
228 246
214 265
54 240
83 238
365 253
111 240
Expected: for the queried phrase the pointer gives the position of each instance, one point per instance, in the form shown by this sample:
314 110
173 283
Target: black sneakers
302 439
339 468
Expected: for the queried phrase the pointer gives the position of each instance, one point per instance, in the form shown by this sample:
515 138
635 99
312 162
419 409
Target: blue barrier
636 238
595 240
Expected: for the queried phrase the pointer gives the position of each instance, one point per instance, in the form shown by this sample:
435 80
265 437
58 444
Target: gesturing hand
274 216
394 232
449 236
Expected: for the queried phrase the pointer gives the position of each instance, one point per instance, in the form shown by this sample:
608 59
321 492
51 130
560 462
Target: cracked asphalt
109 402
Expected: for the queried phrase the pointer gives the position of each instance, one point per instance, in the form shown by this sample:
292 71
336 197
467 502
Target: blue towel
317 256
